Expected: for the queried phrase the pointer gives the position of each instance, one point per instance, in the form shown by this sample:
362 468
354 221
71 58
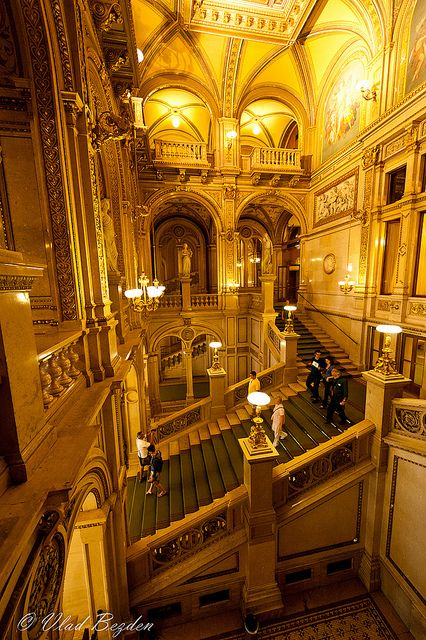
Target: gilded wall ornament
336 200
329 263
106 14
110 127
370 156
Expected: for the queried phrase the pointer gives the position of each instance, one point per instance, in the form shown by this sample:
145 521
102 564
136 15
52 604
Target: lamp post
215 345
289 328
257 438
386 365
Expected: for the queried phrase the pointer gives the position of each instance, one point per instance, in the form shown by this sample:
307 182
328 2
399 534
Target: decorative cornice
16 283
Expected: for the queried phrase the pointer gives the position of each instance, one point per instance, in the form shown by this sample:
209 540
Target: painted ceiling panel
253 54
337 11
177 55
281 71
213 49
147 21
321 50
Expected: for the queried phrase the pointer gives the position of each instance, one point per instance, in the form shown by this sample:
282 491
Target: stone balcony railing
60 367
409 418
276 160
180 154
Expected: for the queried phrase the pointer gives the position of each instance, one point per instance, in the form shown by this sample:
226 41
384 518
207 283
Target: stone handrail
205 301
59 365
277 160
237 393
194 534
409 418
322 463
181 153
275 336
170 302
179 420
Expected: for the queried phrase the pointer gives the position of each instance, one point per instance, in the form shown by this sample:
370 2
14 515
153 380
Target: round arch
288 201
171 330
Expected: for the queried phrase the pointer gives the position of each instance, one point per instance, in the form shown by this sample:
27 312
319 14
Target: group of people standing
150 459
323 370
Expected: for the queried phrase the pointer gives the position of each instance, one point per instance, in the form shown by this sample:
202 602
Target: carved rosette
411 421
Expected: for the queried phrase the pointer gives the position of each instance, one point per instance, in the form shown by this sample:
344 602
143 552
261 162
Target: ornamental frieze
417 309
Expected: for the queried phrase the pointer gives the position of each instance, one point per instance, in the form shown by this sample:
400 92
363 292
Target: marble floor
211 627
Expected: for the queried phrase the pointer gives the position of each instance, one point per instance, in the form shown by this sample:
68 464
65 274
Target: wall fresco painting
416 67
342 110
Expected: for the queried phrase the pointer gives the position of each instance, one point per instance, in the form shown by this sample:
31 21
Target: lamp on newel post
289 328
386 365
257 438
215 345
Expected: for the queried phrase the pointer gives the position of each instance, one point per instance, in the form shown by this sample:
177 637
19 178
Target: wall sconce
368 91
233 287
257 438
346 285
215 345
386 364
289 328
147 297
230 136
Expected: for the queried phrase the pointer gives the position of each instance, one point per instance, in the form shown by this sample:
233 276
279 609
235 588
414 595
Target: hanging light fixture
147 298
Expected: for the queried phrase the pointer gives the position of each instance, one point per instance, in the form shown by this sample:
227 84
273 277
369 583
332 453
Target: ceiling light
256 128
175 121
139 54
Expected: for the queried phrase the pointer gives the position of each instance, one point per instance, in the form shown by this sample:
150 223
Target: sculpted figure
266 254
109 236
186 260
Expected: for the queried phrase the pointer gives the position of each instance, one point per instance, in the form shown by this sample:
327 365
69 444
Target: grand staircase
206 462
314 338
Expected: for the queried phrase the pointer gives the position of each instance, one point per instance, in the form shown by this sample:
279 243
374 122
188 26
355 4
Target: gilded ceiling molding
230 77
63 45
66 288
162 196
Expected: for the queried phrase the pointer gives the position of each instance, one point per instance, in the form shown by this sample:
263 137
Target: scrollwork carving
110 127
106 14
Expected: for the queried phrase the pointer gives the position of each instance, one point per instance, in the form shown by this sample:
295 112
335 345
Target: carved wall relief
336 200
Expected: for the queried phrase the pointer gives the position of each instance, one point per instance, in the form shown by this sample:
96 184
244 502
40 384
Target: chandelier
146 298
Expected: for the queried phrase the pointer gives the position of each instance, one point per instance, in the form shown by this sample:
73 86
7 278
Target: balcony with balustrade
188 155
271 160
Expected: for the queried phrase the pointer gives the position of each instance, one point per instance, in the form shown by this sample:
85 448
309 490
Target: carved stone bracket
255 179
370 156
274 181
110 127
105 14
116 58
361 215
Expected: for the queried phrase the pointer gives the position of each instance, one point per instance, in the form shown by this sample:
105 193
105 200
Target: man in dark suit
314 378
339 396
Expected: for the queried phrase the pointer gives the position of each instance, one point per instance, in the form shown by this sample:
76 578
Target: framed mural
342 110
338 199
416 67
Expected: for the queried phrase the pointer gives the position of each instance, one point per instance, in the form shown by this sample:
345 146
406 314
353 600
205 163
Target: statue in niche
266 254
186 254
109 236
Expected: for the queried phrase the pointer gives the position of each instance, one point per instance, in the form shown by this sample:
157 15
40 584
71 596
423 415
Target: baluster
74 358
45 379
65 364
55 371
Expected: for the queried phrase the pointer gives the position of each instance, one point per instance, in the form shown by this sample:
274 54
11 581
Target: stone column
261 592
186 293
154 383
21 401
115 281
217 382
267 281
187 358
381 390
288 353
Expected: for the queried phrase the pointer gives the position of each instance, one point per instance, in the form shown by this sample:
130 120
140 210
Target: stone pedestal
261 592
21 399
267 281
381 390
186 293
217 382
288 354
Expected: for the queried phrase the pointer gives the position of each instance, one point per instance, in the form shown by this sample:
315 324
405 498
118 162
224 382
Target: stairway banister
179 420
300 295
271 377
359 434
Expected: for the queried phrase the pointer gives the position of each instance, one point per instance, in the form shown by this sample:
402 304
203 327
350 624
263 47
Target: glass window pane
419 362
390 257
408 348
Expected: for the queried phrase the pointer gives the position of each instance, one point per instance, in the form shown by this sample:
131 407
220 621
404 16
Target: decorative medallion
179 231
246 232
187 334
329 263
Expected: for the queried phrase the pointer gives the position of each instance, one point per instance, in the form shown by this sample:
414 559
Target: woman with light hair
278 420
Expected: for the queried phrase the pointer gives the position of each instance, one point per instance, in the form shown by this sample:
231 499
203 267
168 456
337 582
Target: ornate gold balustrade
269 378
409 418
205 301
60 366
180 154
184 541
322 463
276 160
180 420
